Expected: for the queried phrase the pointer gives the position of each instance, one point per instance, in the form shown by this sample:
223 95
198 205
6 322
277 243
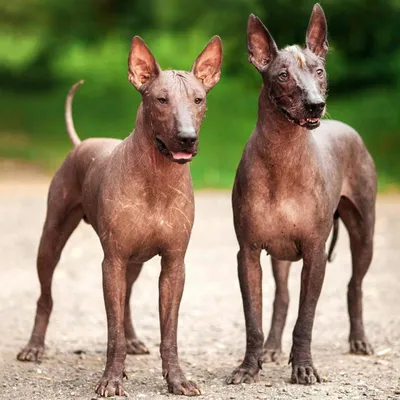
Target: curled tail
334 235
68 115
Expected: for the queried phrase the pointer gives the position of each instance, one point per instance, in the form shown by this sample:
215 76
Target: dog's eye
283 76
162 100
198 100
320 72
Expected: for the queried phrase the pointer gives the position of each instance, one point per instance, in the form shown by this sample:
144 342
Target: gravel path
211 333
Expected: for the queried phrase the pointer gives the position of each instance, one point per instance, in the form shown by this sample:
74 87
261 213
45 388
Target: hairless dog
297 176
137 194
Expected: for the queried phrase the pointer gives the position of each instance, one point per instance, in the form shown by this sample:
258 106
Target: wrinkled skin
295 174
137 195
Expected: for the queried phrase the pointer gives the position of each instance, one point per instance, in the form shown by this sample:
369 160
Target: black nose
315 106
187 137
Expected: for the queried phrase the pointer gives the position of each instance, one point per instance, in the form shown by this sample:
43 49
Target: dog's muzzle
180 157
309 122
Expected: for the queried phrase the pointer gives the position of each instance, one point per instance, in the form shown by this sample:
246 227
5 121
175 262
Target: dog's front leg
114 287
172 280
312 277
250 278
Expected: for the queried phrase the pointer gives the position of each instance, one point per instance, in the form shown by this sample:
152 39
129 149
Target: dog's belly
282 248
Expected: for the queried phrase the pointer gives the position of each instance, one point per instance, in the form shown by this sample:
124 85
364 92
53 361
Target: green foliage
46 45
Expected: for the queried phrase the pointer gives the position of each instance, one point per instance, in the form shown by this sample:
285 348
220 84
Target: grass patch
33 126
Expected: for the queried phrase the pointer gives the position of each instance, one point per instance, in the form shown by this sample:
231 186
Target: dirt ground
211 325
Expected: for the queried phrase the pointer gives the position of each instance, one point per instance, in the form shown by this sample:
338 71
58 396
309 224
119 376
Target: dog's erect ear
207 67
316 38
142 66
260 44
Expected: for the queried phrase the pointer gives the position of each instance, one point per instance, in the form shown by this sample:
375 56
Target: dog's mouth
180 157
309 123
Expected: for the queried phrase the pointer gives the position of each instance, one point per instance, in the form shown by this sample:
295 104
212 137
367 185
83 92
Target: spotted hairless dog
137 195
297 176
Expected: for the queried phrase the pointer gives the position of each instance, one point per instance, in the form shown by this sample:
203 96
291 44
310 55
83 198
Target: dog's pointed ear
207 67
261 46
142 66
317 31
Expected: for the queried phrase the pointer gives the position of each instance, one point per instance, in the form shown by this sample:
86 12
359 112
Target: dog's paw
243 375
304 375
361 347
178 384
31 352
110 385
183 387
271 355
135 346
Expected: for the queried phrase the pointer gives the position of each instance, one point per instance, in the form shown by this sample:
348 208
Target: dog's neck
278 138
286 149
143 153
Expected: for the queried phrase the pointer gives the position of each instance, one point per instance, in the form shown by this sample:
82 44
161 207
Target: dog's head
174 102
294 77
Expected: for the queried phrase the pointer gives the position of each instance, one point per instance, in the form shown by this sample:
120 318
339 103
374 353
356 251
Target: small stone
381 362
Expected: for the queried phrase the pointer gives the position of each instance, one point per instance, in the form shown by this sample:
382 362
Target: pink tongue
303 122
181 156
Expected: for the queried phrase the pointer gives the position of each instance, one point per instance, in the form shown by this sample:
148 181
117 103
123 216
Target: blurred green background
47 45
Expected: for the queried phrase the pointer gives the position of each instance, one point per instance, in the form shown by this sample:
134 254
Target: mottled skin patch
298 54
137 195
295 176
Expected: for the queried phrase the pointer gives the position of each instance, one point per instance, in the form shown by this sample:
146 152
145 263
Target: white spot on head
298 54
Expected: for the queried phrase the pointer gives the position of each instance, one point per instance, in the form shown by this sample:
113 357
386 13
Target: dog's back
342 148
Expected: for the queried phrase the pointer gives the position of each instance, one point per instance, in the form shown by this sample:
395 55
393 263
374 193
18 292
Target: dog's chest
144 226
279 225
283 225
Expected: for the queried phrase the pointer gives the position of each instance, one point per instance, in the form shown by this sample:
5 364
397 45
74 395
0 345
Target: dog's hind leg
273 344
359 222
64 213
133 344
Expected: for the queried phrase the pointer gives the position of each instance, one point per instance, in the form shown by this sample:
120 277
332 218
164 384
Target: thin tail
334 235
68 115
